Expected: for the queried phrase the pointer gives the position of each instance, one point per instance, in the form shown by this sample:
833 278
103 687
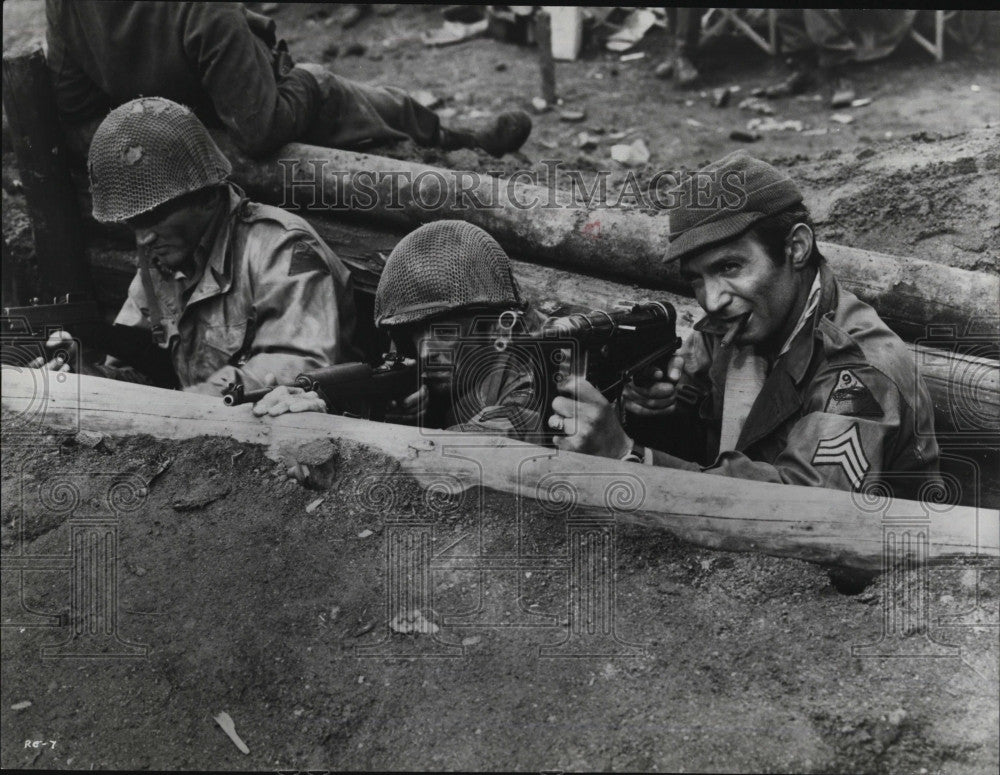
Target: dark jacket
203 55
842 408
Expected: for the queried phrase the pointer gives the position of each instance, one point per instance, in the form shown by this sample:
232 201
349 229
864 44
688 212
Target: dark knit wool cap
723 200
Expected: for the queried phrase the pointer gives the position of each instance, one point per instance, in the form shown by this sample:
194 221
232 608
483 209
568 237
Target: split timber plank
957 383
813 524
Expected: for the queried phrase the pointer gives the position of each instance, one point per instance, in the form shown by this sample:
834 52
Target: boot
504 134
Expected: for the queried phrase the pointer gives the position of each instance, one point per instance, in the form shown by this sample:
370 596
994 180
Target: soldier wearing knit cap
788 377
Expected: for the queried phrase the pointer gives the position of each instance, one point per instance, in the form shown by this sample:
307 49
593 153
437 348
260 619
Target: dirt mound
926 196
254 599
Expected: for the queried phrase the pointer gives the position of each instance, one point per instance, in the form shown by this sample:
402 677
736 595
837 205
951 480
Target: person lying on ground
446 294
227 64
788 377
233 290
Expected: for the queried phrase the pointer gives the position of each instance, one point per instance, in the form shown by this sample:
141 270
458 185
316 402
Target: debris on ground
861 102
355 49
539 104
720 97
665 69
366 533
586 142
842 98
770 124
634 154
412 622
842 118
426 98
756 105
89 439
23 705
311 508
632 57
744 136
224 720
572 116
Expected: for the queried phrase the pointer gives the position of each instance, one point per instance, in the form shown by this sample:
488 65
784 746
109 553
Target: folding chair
739 20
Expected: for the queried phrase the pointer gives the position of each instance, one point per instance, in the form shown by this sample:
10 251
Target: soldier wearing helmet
235 291
229 66
445 285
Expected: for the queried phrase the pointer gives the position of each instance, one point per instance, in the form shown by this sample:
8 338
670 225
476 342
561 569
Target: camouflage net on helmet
442 267
147 152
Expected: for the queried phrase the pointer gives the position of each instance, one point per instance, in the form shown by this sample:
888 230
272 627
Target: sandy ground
247 602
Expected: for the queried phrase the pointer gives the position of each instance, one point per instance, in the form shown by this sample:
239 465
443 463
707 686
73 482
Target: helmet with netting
443 267
147 152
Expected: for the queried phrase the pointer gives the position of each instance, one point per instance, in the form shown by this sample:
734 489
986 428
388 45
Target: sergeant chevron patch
844 450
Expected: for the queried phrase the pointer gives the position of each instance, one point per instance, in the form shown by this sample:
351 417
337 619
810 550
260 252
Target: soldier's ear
799 245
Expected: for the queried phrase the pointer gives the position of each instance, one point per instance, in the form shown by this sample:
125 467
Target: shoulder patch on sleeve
305 259
844 450
850 396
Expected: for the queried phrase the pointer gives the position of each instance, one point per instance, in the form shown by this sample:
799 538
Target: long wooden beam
965 388
542 225
809 523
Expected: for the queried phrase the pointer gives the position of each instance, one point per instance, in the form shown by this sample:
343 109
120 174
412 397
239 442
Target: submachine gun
26 329
610 347
352 389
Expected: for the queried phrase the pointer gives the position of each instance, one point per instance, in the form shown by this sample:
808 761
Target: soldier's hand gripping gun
612 347
81 318
352 389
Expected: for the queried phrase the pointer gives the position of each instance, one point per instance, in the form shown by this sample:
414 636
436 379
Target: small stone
842 118
539 104
756 106
471 641
314 505
743 136
664 69
758 92
500 67
572 116
842 98
632 57
693 122
366 533
632 155
861 102
586 142
89 439
23 705
974 88
426 98
720 97
897 717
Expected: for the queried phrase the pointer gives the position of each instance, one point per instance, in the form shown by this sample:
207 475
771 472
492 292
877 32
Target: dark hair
772 232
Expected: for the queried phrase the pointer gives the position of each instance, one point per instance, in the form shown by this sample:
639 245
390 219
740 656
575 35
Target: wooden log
809 523
543 225
953 379
38 144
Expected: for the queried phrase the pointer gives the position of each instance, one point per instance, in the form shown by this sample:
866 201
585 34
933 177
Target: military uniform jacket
842 407
218 59
273 298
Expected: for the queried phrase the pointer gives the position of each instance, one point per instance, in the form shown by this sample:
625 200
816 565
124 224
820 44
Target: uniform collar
213 249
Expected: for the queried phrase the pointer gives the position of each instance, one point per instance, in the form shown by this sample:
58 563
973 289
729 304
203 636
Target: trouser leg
688 31
354 114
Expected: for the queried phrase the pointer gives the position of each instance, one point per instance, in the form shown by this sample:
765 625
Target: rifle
27 328
352 389
611 347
